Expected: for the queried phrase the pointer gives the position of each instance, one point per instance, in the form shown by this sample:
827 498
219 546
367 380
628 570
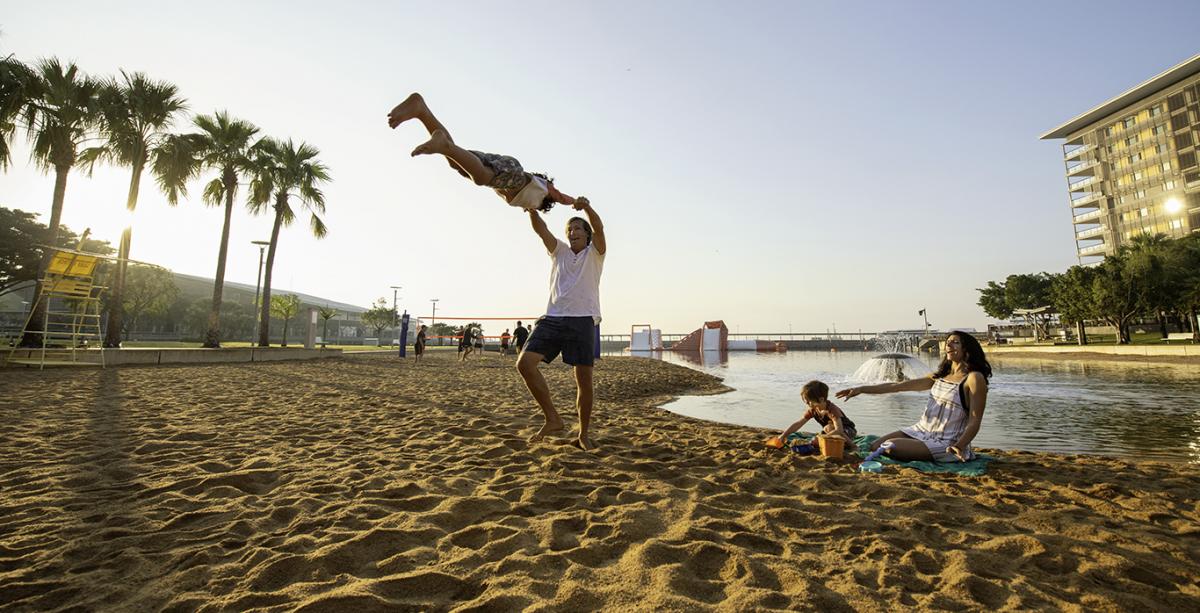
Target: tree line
73 121
1151 277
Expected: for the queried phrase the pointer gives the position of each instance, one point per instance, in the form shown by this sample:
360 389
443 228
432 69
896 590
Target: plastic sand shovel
871 457
774 442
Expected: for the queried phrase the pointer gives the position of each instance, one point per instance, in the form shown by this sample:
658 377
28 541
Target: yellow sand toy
70 321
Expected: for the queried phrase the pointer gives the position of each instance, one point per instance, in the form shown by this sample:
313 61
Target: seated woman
957 396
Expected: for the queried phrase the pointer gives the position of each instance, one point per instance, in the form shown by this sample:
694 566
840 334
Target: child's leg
414 107
439 142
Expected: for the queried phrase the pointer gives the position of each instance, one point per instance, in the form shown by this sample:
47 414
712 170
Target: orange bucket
831 446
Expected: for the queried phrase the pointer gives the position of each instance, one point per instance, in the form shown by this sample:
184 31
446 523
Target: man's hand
581 203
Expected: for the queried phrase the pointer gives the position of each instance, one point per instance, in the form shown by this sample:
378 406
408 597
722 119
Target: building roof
1146 89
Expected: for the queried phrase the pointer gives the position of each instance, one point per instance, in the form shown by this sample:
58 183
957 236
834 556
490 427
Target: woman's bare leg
440 141
904 447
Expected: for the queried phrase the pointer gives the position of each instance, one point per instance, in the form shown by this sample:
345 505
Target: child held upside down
502 173
816 395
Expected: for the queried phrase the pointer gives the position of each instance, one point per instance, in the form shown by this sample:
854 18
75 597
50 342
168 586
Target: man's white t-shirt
575 282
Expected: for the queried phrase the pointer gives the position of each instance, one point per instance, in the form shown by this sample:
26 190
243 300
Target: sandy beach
366 483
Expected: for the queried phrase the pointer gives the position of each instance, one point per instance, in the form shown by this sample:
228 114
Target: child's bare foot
411 107
439 142
550 427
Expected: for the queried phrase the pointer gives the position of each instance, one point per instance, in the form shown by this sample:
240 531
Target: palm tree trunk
32 338
264 314
1193 322
116 308
212 339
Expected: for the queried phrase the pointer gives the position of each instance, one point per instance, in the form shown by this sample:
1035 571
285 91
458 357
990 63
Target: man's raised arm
582 204
539 226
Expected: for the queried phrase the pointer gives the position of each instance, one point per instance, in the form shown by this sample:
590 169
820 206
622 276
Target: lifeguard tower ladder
71 319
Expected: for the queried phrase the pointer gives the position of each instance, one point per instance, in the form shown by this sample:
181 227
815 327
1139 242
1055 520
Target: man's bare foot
411 107
550 427
439 142
584 443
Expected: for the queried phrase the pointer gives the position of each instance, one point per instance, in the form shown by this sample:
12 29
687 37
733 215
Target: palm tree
60 113
223 144
18 85
283 171
136 111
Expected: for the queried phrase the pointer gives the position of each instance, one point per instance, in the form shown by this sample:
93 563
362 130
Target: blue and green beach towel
974 468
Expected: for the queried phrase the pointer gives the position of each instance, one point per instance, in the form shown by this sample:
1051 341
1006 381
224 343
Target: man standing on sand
520 335
572 313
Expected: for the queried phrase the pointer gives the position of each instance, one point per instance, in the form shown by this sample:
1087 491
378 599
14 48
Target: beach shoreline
375 483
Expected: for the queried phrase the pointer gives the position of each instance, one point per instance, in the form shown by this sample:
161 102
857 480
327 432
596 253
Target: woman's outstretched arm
912 385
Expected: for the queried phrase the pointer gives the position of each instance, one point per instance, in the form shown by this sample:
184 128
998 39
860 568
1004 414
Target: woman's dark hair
976 360
547 202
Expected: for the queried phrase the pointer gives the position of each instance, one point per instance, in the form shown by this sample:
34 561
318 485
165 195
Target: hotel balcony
1092 250
1089 216
1088 200
1096 232
1084 184
1078 151
1082 169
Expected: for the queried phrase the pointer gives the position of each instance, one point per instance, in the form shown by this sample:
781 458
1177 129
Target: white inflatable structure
647 339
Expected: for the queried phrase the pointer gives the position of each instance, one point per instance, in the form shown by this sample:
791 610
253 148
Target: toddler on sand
833 420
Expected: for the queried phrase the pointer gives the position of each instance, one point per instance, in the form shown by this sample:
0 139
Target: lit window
1159 130
1177 224
1169 185
1141 193
1145 212
1137 176
1166 166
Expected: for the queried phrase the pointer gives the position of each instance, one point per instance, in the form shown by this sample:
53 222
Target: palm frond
318 227
214 192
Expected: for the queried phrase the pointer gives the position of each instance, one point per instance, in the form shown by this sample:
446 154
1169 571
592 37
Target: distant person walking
572 312
504 338
419 345
464 344
520 335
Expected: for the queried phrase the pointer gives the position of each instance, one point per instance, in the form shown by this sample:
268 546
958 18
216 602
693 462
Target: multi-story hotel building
1131 163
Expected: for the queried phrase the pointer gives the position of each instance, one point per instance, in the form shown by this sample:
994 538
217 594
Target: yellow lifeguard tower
70 323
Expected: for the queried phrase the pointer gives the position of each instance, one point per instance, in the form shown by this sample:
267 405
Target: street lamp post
262 247
395 313
433 318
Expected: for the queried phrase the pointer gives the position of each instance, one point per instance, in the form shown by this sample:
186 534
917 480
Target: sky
782 166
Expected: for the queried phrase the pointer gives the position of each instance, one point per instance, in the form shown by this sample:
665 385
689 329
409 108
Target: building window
1169 185
1141 193
1156 110
1187 160
1176 224
1135 157
1132 140
1179 122
1176 102
1183 141
1137 176
1145 212
1109 132
1166 166
1129 121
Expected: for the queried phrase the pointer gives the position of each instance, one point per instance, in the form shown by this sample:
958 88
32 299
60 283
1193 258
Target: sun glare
1172 206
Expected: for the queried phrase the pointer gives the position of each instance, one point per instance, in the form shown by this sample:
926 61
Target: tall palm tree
283 172
137 111
223 144
60 113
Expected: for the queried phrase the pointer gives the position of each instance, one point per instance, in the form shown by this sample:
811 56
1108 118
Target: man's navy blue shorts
574 337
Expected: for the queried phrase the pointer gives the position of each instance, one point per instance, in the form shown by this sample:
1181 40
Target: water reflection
1139 410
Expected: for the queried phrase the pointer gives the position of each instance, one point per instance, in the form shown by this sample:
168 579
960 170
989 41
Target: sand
365 483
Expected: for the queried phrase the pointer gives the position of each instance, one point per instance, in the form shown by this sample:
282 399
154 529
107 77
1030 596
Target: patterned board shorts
509 173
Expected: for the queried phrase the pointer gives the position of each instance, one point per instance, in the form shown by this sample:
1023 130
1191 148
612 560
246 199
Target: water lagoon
1131 410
